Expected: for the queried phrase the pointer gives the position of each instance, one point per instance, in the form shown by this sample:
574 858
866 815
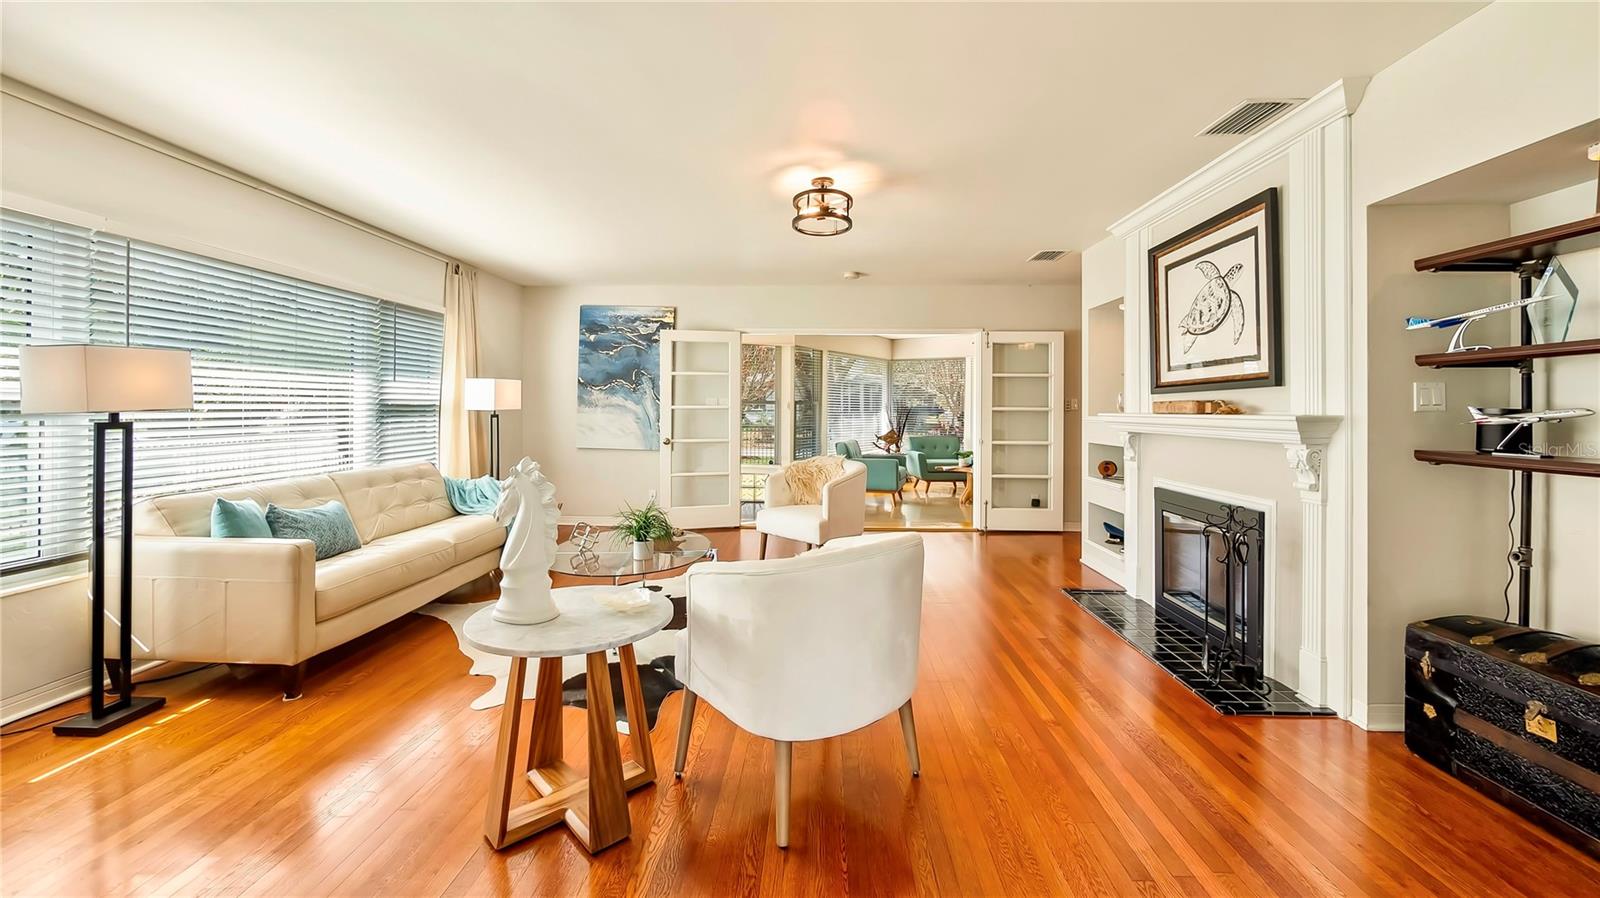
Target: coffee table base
594 808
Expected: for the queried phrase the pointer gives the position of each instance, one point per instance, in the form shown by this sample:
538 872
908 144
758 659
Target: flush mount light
822 211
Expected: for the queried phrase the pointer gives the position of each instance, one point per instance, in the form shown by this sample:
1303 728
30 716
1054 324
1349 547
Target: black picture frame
1265 203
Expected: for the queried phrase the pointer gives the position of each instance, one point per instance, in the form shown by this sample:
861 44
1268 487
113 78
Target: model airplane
1547 289
1524 419
1464 320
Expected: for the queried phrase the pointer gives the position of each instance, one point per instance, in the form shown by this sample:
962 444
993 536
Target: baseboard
1073 527
47 696
1389 717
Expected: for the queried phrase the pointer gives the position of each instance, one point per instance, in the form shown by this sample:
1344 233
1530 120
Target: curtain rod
48 101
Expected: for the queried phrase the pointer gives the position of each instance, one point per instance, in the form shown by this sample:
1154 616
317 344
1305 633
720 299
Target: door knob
666 441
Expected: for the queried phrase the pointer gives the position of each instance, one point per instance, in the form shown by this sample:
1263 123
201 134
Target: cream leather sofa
269 601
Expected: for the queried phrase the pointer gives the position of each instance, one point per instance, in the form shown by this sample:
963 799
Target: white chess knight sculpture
530 547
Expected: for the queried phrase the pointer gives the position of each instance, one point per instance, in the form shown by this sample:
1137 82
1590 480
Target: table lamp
493 395
77 380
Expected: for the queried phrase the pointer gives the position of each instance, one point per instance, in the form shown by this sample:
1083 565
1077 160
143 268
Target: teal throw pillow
243 519
328 526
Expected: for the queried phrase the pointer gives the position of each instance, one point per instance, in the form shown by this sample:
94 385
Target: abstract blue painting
619 369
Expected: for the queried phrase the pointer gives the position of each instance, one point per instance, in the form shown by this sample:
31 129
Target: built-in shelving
1508 253
1507 356
1578 467
1512 254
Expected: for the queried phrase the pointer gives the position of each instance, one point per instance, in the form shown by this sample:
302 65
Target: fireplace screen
1208 565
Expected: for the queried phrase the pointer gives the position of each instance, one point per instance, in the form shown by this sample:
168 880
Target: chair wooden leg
685 727
782 765
762 551
908 726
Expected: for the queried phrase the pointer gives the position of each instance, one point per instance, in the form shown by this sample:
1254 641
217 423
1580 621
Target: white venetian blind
290 377
856 386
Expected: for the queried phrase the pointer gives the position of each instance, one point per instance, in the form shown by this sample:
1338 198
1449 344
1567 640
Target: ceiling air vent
1249 116
1047 255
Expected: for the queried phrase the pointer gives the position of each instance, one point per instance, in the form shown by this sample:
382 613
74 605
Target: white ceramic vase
643 549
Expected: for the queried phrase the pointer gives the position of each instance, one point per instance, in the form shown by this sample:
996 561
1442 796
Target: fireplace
1209 570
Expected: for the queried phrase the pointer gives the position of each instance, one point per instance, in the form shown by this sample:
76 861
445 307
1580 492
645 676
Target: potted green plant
642 527
964 457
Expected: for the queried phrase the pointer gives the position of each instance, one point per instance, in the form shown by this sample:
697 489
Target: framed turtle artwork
1215 306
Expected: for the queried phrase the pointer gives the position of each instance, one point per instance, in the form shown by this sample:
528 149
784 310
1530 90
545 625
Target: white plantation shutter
856 386
290 377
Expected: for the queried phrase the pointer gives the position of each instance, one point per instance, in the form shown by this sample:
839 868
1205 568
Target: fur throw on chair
807 477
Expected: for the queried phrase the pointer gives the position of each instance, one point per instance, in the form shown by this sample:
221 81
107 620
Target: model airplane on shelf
1524 419
1465 319
1551 282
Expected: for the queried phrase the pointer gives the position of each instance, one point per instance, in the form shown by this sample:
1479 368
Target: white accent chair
843 511
804 648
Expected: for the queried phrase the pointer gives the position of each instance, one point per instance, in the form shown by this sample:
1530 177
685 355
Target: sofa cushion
394 562
189 514
238 520
389 500
380 567
328 527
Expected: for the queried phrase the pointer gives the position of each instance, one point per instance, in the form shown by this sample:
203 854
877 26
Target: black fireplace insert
1208 567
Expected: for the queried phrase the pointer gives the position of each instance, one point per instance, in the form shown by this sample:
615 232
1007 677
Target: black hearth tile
1180 652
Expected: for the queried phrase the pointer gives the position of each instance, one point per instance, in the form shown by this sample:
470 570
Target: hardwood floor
1055 760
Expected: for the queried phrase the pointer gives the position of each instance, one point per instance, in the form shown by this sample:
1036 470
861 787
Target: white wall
62 168
1567 509
1436 535
594 483
500 353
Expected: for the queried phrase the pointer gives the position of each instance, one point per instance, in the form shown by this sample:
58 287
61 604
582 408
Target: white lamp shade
78 379
493 394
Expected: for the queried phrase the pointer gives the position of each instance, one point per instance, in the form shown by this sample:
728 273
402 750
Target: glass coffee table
613 560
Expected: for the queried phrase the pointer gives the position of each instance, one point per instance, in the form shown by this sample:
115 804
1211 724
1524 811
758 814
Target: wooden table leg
638 717
608 802
503 781
544 748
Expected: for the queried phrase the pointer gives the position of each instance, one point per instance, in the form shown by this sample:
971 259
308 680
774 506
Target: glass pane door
700 428
1021 463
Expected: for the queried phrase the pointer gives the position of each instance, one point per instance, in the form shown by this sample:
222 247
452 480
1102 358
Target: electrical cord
1511 553
38 726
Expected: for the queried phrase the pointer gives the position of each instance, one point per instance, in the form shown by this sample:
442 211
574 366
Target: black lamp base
87 724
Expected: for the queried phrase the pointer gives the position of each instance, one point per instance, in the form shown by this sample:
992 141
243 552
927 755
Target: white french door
700 428
1020 465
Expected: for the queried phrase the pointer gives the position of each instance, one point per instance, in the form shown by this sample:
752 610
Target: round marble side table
593 620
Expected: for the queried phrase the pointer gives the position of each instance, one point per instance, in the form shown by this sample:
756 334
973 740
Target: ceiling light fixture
822 211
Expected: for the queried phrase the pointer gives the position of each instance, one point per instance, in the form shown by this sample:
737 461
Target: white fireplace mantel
1286 430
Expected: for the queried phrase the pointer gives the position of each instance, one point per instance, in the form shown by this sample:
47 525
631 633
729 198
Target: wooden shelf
1507 356
1507 254
1577 467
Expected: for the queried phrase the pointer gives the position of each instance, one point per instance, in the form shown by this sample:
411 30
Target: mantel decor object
1194 407
1215 307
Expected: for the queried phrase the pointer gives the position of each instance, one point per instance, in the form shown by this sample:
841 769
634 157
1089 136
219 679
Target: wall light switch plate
1427 397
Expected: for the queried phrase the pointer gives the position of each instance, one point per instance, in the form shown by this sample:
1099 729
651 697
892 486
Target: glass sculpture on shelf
1553 316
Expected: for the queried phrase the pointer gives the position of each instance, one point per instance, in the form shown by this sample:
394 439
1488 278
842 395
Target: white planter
643 549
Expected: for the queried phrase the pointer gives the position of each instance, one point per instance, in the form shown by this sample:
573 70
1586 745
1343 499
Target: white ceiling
606 143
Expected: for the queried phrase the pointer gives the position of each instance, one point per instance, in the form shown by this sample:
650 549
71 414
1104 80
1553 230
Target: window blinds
856 386
290 377
807 402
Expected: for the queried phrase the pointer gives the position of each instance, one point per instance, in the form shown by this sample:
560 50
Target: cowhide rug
655 676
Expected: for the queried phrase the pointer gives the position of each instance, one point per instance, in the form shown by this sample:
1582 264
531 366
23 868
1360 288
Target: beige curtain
463 442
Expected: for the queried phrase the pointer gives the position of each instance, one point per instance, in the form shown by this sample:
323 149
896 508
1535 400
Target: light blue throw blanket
473 495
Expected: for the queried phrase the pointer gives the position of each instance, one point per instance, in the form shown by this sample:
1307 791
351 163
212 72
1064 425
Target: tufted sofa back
382 501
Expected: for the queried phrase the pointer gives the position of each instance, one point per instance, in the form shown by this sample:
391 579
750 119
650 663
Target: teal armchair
885 473
940 450
927 470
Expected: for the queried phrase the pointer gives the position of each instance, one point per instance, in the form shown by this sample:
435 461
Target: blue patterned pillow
328 526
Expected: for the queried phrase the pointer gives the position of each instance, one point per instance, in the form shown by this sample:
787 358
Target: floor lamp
77 380
493 395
